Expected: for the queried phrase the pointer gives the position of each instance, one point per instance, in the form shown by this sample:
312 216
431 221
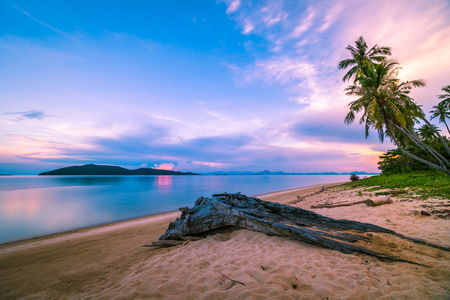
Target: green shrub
354 177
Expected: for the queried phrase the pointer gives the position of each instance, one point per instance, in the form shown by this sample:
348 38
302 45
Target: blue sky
201 85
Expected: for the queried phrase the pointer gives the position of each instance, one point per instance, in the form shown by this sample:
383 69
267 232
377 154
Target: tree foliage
386 105
445 97
354 177
361 55
442 110
395 162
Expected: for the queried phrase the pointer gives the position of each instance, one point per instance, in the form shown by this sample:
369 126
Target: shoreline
108 227
108 262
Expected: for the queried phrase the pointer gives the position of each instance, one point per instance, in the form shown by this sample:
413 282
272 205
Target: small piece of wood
171 243
233 282
165 243
337 204
192 238
378 202
397 192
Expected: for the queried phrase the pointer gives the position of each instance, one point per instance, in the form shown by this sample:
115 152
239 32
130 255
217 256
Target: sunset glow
216 86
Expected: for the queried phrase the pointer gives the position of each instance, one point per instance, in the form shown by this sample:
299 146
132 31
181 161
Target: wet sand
108 262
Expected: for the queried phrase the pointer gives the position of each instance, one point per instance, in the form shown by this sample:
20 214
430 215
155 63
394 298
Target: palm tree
442 111
388 108
445 97
384 101
428 133
360 56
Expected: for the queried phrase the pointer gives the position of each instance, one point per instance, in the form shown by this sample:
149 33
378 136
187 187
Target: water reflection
88 180
37 205
164 180
33 212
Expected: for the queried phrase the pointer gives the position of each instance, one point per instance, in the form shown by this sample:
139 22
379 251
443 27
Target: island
91 169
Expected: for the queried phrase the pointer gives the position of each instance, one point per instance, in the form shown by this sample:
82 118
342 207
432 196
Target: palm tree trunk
447 126
439 136
397 143
439 158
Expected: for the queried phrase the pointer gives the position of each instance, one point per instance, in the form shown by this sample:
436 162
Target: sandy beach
108 262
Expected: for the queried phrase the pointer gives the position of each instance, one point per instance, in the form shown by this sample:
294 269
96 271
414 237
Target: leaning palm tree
387 107
384 101
445 97
442 112
428 133
360 56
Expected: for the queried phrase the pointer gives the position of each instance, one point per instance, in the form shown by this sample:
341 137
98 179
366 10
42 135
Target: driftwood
337 204
397 192
165 243
368 202
233 282
170 243
239 211
378 202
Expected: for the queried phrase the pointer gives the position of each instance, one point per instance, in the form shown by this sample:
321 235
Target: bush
354 177
395 162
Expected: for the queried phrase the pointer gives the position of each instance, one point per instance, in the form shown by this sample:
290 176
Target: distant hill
92 169
266 172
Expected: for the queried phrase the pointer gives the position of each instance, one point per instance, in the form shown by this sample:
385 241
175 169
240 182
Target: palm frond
349 118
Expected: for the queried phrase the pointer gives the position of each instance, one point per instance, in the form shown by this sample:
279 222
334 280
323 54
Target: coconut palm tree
388 108
428 133
442 112
360 56
384 100
445 97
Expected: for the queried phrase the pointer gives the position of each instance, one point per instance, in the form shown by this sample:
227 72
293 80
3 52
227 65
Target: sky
202 86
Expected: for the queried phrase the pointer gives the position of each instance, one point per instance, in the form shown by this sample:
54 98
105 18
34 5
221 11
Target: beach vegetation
354 177
430 183
442 110
387 107
394 161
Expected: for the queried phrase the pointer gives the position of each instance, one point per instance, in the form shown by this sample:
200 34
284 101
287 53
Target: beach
108 262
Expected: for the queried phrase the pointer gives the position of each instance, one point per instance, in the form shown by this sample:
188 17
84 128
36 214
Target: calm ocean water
32 206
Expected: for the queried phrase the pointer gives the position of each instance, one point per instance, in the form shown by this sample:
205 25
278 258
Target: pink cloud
233 6
164 166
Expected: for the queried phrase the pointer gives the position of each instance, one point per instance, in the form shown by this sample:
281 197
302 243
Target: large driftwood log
239 211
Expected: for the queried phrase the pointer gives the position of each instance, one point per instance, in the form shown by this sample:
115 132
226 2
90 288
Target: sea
32 206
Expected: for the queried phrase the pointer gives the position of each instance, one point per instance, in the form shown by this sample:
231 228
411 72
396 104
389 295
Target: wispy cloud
52 28
233 5
304 25
273 13
331 16
31 114
248 26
